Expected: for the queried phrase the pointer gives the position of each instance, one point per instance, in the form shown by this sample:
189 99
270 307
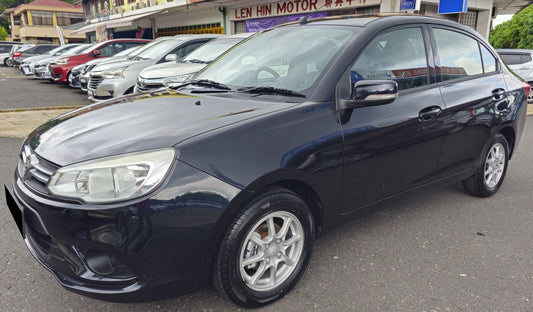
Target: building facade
37 22
154 18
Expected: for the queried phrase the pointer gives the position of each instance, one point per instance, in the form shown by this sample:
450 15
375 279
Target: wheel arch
510 135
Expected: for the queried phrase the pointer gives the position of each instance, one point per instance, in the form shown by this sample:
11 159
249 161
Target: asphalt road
19 91
436 250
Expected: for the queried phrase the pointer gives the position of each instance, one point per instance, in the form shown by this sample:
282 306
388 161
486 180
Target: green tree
3 33
515 33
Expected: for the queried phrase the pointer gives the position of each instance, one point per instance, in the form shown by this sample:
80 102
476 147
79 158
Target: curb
14 110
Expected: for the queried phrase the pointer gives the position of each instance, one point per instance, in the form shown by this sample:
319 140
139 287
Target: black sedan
230 177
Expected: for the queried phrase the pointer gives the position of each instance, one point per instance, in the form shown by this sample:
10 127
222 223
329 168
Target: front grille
146 87
34 170
94 82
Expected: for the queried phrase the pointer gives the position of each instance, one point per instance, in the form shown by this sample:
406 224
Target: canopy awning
113 23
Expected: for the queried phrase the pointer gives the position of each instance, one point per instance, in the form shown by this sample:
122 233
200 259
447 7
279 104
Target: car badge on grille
30 162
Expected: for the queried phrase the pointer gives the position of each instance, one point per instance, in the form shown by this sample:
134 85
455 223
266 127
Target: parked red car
61 67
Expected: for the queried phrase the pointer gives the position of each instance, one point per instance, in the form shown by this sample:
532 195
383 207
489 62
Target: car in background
520 61
5 48
176 72
16 50
61 67
28 64
41 68
38 49
231 177
119 78
79 77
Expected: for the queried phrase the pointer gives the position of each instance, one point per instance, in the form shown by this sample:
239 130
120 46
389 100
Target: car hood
117 64
170 69
139 122
111 59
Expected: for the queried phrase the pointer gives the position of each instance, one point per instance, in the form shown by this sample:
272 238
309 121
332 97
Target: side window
184 50
526 58
489 62
111 49
399 55
459 54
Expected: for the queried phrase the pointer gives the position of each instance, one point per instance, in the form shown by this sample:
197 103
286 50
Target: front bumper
128 251
41 73
58 73
99 88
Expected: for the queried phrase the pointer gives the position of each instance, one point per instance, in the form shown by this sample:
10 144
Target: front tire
265 250
491 171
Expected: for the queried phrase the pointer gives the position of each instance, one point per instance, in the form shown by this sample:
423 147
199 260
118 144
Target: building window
42 18
64 19
469 19
240 27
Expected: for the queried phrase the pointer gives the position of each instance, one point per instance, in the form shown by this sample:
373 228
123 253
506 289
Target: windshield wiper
270 90
196 61
205 82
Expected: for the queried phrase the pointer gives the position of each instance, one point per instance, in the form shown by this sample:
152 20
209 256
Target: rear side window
459 54
489 62
398 55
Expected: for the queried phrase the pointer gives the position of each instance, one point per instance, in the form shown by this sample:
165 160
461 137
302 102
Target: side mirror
97 53
171 57
371 93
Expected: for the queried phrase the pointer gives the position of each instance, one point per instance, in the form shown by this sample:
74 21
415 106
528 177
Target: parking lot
439 250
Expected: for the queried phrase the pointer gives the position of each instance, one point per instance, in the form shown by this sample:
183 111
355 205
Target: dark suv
293 132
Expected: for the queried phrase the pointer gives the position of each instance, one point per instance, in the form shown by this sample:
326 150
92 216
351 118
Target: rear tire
491 170
265 250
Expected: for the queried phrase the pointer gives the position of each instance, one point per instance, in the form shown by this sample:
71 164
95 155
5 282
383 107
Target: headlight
177 80
61 61
114 73
113 179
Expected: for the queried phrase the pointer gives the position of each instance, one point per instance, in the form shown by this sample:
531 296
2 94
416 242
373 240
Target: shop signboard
452 6
410 5
294 7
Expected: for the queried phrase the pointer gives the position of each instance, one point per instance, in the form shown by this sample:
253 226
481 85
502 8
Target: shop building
37 22
154 18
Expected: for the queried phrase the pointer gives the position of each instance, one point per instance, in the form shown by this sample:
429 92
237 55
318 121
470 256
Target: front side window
399 55
459 54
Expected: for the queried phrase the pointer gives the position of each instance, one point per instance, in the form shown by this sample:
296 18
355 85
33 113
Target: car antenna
304 20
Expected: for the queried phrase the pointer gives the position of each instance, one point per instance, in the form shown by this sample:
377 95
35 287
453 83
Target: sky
501 18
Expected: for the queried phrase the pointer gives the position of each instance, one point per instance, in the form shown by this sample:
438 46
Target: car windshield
58 49
127 51
211 50
158 49
290 58
79 49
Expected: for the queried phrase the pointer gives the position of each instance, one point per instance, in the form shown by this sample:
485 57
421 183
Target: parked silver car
41 67
520 61
79 75
176 72
27 65
119 78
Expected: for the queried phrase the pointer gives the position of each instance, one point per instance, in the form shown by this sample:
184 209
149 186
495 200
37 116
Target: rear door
474 94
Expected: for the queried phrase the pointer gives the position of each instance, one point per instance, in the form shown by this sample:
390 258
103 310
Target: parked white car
520 61
176 72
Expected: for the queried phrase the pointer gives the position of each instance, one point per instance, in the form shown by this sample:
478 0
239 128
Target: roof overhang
113 23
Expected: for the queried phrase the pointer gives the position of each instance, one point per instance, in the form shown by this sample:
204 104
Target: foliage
3 33
515 33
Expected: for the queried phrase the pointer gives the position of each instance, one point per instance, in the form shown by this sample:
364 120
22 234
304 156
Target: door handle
429 113
498 94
